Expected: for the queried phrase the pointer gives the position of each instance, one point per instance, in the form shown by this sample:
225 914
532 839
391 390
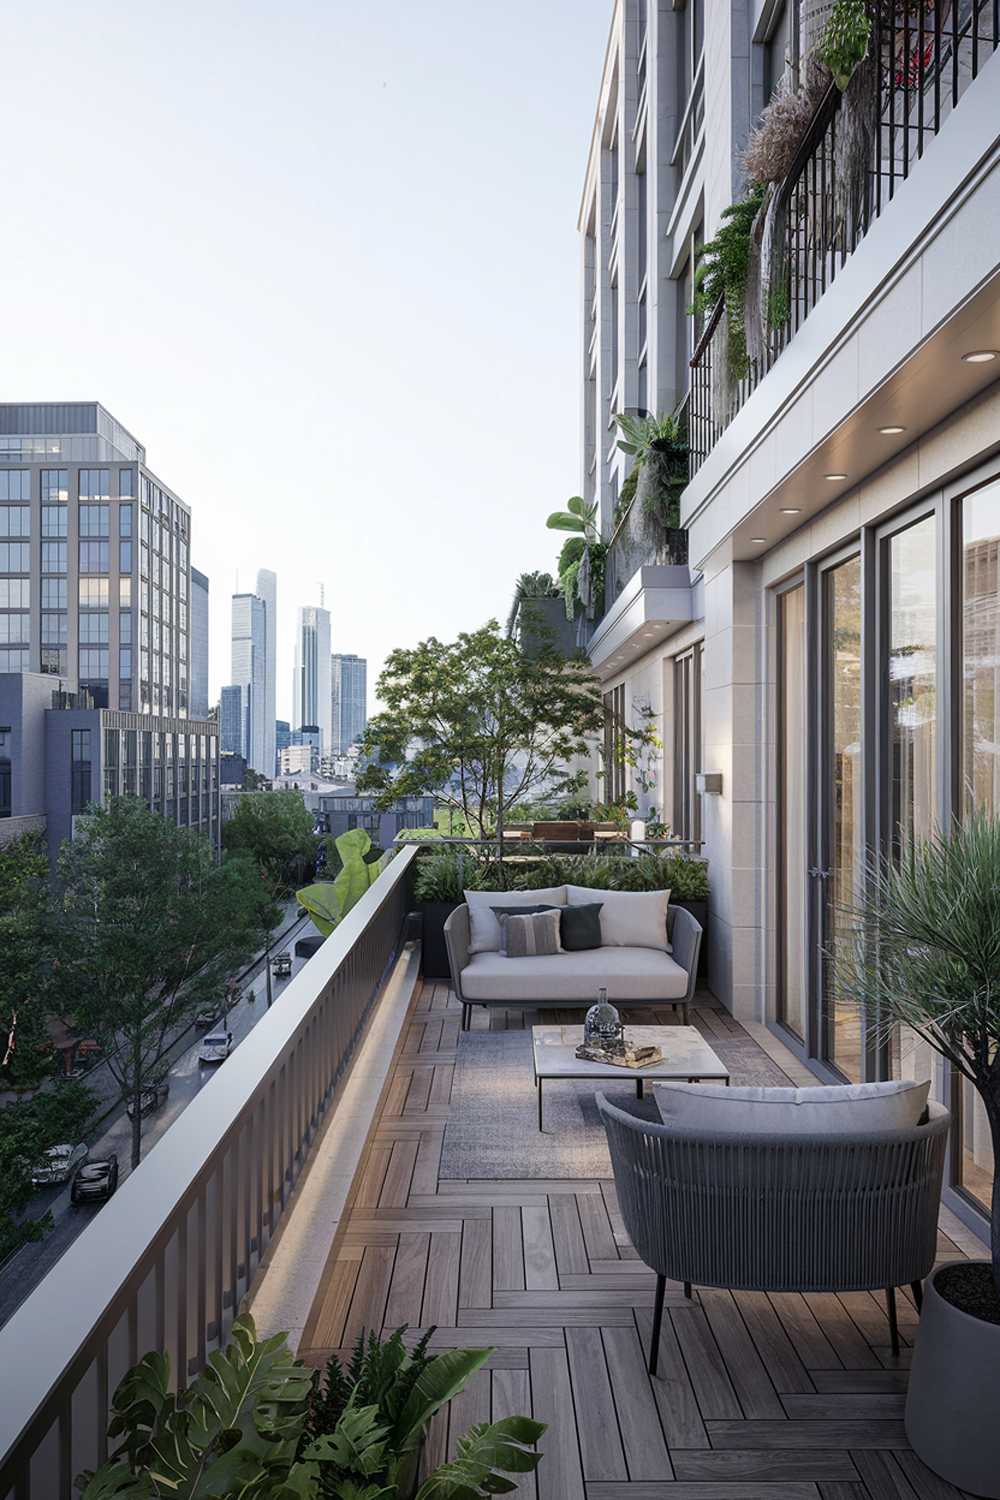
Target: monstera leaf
320 901
507 1446
329 901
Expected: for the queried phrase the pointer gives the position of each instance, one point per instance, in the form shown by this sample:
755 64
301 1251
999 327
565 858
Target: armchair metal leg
917 1288
654 1346
466 1016
687 1290
890 1302
685 1015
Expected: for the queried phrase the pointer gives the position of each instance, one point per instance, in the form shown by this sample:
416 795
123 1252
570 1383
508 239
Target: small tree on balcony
480 726
925 953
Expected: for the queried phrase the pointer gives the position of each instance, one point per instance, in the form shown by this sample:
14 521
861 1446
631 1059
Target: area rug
493 1131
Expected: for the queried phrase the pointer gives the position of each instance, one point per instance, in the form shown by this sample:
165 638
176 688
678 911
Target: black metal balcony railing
166 1262
918 67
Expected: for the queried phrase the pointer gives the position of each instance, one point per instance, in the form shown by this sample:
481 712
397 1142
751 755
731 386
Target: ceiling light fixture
760 540
835 476
980 356
791 510
891 431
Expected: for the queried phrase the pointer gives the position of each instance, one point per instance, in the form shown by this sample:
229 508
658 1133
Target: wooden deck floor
782 1397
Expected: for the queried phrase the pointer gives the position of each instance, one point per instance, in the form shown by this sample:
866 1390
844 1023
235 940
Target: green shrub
443 877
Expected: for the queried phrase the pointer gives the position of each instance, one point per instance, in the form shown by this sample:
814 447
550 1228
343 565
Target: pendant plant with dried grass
781 129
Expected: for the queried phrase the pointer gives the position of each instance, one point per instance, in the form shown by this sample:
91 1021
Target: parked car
95 1181
58 1164
281 964
149 1100
216 1047
205 1018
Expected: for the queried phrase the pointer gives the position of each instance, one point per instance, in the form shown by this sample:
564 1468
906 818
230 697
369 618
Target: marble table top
686 1054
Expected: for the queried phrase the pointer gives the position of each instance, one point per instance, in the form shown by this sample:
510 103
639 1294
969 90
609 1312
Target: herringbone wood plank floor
781 1397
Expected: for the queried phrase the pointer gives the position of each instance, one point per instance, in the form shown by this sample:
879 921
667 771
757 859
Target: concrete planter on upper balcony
543 622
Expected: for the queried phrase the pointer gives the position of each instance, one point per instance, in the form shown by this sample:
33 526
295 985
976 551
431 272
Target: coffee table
686 1055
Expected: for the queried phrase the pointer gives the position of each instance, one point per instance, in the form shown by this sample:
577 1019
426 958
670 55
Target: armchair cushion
847 1109
626 973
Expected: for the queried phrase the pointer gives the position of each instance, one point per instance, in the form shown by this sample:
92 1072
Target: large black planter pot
953 1403
433 953
699 910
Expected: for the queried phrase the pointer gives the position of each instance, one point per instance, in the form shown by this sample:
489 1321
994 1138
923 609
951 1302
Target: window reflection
842 1022
794 990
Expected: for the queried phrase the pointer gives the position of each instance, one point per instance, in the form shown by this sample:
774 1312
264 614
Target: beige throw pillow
484 929
629 919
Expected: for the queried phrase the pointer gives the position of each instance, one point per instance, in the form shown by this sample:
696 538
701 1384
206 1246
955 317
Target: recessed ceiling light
891 431
791 510
980 356
835 476
760 540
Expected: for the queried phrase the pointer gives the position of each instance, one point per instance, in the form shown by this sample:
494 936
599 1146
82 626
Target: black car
95 1181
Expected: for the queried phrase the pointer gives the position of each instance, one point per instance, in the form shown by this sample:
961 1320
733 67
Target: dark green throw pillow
580 927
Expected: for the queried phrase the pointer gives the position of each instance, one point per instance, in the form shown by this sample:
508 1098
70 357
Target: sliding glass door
793 840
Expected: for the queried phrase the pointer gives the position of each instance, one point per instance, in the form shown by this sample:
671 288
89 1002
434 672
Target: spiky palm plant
926 954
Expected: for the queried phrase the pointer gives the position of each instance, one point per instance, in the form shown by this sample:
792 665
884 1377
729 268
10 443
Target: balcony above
655 602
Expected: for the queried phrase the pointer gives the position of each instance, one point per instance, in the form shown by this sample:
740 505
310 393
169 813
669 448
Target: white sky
322 260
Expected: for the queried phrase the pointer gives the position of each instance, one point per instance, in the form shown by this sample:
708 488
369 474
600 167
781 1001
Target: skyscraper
199 645
231 720
311 688
249 672
267 591
348 700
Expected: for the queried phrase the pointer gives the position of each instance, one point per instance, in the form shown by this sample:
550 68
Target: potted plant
538 614
926 955
438 885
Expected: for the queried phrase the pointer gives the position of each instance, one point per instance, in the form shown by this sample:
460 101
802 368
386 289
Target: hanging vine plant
844 43
723 263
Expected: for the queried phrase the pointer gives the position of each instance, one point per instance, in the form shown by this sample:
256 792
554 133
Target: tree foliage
479 725
26 1053
276 829
28 1127
150 929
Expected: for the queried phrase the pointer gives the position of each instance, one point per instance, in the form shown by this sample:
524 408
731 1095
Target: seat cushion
484 929
842 1109
626 974
629 919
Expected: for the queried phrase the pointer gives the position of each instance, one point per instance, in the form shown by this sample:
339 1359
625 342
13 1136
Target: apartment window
6 802
15 520
15 593
686 821
14 659
55 486
124 520
80 770
144 520
55 659
94 484
95 520
93 593
94 557
93 627
55 628
144 560
793 975
53 557
15 484
54 520
126 483
125 628
124 557
94 662
125 662
53 593
615 759
125 592
15 557
14 629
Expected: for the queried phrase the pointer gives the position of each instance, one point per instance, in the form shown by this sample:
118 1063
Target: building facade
311 687
249 674
267 592
231 719
199 645
348 700
282 738
828 651
343 809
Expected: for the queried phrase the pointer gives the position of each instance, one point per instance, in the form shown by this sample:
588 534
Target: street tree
26 1051
276 829
481 725
28 1127
151 927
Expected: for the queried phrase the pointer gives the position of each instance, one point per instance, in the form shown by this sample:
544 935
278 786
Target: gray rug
493 1128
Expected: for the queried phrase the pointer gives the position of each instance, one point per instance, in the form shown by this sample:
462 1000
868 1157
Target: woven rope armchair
779 1213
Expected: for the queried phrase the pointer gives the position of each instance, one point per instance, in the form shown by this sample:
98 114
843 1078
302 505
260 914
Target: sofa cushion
842 1109
580 927
626 974
530 933
629 919
484 929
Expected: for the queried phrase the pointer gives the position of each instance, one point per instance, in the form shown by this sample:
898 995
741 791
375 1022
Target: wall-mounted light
709 783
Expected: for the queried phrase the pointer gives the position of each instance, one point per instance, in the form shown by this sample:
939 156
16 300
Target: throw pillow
484 929
843 1109
580 927
530 936
629 919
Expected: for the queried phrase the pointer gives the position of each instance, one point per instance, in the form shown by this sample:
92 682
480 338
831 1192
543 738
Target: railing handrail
618 843
51 1336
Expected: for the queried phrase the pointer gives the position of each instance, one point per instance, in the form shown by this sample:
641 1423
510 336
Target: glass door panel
843 799
980 740
912 725
793 989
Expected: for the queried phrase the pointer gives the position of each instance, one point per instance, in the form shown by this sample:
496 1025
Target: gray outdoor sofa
831 1212
632 976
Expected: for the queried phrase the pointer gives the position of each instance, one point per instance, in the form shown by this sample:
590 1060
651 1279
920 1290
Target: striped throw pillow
530 936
